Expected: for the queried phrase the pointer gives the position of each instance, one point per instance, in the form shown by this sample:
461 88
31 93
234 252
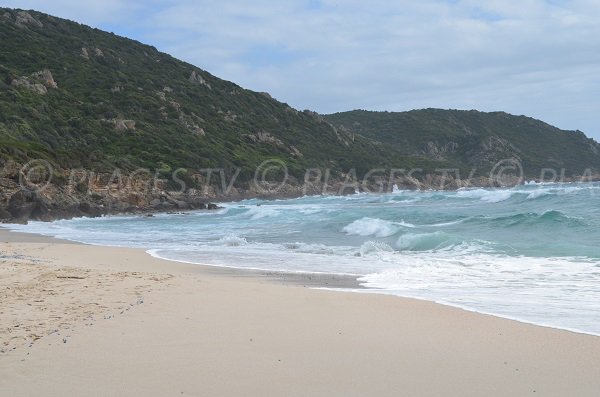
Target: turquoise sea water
530 253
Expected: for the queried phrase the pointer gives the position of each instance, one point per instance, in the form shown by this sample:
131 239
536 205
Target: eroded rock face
24 18
45 78
85 53
38 82
195 78
21 204
18 205
23 82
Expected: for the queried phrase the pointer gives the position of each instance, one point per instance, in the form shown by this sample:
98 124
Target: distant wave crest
375 227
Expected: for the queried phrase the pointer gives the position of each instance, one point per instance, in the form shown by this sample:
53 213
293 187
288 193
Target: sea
529 253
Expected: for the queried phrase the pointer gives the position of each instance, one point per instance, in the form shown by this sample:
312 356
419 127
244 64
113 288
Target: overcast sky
540 58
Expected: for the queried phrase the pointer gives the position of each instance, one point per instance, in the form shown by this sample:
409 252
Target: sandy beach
79 320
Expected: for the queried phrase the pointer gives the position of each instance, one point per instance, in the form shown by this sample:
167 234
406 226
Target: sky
540 58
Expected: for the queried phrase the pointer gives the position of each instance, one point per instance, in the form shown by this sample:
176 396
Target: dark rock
197 204
212 206
182 205
41 211
90 210
21 204
166 205
4 215
119 206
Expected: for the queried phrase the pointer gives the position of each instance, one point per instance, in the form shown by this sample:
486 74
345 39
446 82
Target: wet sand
99 321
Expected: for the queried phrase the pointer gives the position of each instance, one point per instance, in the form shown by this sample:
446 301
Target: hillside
100 99
95 107
475 139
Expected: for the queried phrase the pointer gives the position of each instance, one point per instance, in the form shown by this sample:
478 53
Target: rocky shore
24 198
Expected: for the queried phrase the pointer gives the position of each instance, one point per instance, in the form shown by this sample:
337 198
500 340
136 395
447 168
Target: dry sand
79 320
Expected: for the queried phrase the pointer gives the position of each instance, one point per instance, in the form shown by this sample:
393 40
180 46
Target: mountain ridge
468 135
86 103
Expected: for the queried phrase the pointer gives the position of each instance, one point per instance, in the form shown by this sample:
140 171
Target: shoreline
305 279
125 323
212 204
326 281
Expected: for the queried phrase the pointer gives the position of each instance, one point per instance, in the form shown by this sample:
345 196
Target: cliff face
92 123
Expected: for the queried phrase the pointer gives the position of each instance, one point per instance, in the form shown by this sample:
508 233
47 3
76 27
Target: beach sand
79 320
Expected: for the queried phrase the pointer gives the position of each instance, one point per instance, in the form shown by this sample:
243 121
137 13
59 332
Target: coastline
131 324
28 205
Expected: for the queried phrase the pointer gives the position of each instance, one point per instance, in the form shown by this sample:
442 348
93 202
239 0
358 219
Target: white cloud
532 57
89 12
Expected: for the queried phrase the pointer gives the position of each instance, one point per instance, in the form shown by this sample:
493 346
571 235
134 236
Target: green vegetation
475 139
184 117
122 103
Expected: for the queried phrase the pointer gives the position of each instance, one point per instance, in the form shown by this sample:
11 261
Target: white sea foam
260 212
489 196
422 241
371 227
374 248
537 193
521 288
445 224
231 240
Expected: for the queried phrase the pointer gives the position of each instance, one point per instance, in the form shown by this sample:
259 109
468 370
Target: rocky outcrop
23 19
196 78
493 149
38 82
190 122
85 53
265 137
18 204
45 77
121 124
295 152
438 151
230 117
23 82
